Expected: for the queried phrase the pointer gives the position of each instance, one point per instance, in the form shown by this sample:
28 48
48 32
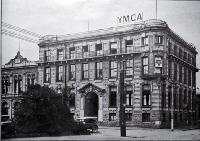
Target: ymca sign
130 18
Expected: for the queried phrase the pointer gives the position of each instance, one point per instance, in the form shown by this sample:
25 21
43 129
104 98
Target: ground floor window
128 116
112 116
145 117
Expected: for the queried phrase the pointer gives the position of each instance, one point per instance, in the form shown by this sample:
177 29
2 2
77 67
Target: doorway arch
91 105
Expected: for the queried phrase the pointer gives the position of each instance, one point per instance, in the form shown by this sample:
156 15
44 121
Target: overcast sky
70 16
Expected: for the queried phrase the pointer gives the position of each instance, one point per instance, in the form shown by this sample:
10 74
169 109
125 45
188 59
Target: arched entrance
91 105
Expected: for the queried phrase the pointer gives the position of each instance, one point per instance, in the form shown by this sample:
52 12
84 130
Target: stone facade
90 64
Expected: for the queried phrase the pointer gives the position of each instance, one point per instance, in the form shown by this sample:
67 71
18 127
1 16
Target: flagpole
156 9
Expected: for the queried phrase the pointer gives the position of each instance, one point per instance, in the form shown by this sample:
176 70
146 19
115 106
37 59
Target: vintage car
89 122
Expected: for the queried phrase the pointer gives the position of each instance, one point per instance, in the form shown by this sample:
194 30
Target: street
133 133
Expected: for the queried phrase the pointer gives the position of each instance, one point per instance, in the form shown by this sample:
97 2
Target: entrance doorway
91 105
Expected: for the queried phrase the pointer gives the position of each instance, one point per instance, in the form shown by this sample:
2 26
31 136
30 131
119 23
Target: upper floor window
145 40
189 58
175 71
98 49
180 73
129 68
113 96
72 72
180 53
129 46
129 95
145 64
5 84
72 53
113 69
85 72
185 75
146 95
47 55
99 70
158 64
60 54
175 50
47 74
158 39
85 51
113 48
185 56
59 73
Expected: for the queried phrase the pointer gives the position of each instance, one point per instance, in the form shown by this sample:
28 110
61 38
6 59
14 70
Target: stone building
17 74
160 73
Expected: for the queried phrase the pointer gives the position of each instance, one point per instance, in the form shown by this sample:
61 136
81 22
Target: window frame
85 53
113 94
85 71
113 69
99 52
98 69
145 41
47 74
59 73
113 49
60 54
72 73
145 71
159 39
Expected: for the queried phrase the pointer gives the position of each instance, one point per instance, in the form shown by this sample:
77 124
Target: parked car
89 122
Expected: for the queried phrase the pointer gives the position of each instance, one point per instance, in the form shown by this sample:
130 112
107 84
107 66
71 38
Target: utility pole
172 109
122 101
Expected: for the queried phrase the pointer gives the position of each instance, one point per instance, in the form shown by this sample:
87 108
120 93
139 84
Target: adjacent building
160 73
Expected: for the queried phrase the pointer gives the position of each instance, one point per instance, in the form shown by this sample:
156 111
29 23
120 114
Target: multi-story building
160 69
17 75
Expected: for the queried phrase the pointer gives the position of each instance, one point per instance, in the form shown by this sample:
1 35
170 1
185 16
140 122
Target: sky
59 17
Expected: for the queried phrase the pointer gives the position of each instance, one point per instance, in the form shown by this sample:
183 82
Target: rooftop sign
130 18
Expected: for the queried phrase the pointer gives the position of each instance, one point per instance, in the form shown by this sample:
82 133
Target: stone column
82 107
100 111
24 82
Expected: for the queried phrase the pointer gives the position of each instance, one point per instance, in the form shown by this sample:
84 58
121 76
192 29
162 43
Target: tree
42 111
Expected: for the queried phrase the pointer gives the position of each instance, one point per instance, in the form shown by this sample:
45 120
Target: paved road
133 133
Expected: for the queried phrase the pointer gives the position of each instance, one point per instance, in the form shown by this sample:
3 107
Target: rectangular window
99 70
158 39
85 51
113 69
158 64
113 48
185 96
185 56
180 98
180 53
175 98
175 71
175 50
145 64
129 95
47 55
129 46
59 73
189 77
72 72
72 53
145 117
189 58
170 69
113 96
99 50
163 91
60 54
145 40
47 74
128 116
85 72
185 75
129 68
180 74
112 116
146 95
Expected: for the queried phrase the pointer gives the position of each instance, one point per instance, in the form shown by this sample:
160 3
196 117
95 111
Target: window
15 84
72 100
113 69
85 51
175 71
47 74
4 108
129 68
189 58
145 63
19 84
146 95
185 96
158 39
99 50
170 69
158 64
145 40
5 84
163 117
163 91
185 75
112 116
72 74
169 96
129 95
59 73
129 46
175 50
99 70
72 53
145 117
189 77
175 98
47 55
180 53
185 56
169 46
113 48
180 74
85 71
60 55
180 98
128 116
113 96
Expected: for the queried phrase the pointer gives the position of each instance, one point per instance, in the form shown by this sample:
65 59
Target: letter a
140 17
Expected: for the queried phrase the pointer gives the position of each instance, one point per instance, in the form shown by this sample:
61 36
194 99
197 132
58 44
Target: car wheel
95 129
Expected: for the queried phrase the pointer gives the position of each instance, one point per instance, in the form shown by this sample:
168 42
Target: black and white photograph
100 70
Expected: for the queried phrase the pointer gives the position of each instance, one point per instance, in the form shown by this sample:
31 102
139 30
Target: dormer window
17 61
